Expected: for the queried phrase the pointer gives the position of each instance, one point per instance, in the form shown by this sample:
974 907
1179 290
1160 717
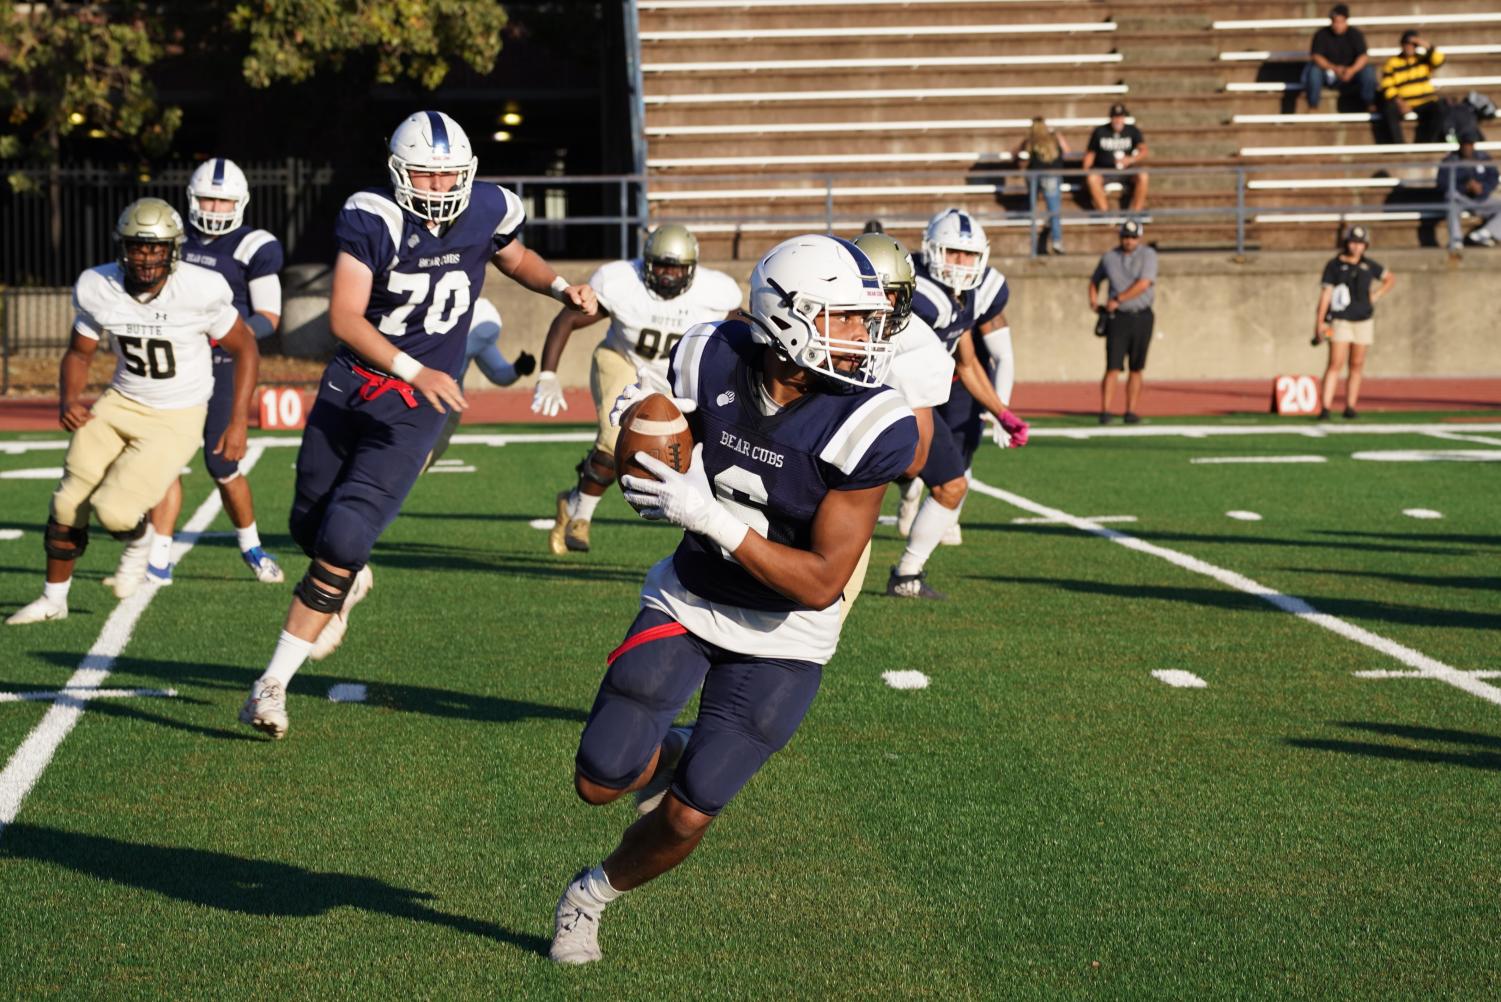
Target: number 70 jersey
644 327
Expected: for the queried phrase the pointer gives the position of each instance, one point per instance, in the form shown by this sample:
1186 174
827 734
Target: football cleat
131 570
906 512
952 536
673 745
576 535
262 565
557 538
575 927
912 586
266 708
158 577
333 632
39 611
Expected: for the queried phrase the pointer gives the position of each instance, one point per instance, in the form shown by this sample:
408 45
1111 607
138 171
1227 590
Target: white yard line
1424 665
31 759
1211 460
42 696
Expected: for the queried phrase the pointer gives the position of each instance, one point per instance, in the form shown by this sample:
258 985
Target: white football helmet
805 277
432 141
217 178
955 229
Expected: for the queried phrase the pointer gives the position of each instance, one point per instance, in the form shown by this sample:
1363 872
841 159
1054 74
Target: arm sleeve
495 367
265 294
1003 374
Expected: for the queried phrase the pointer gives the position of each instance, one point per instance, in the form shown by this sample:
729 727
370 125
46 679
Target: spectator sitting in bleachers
1337 58
1407 85
1045 150
1116 147
1470 187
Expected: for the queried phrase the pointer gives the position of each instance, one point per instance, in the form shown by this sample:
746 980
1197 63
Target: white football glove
645 388
547 398
684 499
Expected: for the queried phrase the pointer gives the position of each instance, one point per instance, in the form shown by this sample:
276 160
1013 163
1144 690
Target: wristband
260 325
405 367
725 530
559 288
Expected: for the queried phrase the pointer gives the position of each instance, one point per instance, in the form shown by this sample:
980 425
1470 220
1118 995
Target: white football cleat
262 565
952 536
575 927
673 745
131 570
907 510
266 709
40 611
333 633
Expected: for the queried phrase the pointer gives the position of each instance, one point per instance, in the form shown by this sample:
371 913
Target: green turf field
1045 820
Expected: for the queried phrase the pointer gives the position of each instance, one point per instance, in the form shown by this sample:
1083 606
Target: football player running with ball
797 442
410 265
250 260
964 301
161 316
650 301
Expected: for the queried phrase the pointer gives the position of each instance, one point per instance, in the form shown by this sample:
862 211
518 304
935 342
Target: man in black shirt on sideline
1337 58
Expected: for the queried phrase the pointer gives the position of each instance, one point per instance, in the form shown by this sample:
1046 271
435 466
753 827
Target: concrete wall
1216 318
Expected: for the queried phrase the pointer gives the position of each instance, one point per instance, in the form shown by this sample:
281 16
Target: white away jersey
162 347
922 370
643 326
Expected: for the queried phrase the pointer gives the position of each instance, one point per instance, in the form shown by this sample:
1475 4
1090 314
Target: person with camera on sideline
1347 305
1131 273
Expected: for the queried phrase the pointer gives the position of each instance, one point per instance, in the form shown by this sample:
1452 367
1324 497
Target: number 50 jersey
644 327
162 347
425 283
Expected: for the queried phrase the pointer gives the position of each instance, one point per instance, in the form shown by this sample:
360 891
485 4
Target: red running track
1159 399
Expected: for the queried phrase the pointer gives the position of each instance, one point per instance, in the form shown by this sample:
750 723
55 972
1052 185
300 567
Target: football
655 426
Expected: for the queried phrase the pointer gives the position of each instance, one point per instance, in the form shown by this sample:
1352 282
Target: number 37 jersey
162 347
424 284
644 327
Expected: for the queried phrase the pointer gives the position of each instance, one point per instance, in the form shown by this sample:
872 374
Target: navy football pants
359 459
750 708
220 405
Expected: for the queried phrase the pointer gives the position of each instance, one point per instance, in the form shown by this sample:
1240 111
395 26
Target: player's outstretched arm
240 343
346 319
975 379
527 268
547 398
72 377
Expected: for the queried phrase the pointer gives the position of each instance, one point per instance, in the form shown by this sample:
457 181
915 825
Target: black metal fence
63 220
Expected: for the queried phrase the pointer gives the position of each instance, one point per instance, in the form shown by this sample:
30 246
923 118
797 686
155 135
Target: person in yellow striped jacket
1407 85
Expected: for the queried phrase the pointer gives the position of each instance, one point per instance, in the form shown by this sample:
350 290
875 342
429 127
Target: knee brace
322 590
132 534
56 534
586 466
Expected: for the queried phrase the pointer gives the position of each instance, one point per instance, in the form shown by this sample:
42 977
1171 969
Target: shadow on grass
391 695
1223 598
1422 580
1164 538
428 556
1490 542
1484 751
236 884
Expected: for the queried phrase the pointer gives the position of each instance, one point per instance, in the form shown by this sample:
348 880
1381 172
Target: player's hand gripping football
440 388
649 383
1010 431
547 397
684 499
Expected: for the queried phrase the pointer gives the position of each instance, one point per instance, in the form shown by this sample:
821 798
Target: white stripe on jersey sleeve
990 287
254 241
854 437
939 297
515 214
690 351
265 294
387 211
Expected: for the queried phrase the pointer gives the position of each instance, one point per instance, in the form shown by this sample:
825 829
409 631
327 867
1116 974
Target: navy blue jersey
241 256
950 318
774 470
425 283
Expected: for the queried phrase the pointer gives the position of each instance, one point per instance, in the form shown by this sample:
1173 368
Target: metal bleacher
763 118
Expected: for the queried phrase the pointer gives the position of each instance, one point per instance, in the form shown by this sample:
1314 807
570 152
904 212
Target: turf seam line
1427 666
31 759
